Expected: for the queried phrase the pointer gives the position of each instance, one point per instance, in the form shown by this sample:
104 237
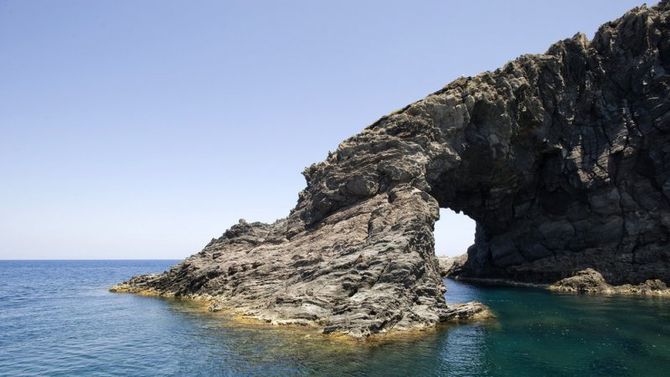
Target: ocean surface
58 319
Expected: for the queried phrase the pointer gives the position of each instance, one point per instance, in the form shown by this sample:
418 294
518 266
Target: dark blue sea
58 319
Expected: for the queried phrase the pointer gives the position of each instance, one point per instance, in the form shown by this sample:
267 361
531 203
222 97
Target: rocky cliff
562 159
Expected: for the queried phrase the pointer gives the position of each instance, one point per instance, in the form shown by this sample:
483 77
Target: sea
57 318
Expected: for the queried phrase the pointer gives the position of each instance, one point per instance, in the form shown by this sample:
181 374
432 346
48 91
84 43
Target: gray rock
451 265
562 159
590 281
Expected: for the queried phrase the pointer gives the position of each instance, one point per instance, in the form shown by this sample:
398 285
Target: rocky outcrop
562 159
591 281
581 169
358 273
451 265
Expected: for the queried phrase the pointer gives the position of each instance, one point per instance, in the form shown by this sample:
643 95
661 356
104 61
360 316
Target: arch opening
454 233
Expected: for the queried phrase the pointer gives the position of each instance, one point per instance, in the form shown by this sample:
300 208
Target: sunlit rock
562 159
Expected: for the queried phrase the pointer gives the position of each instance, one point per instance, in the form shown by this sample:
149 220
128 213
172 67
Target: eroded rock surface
592 282
365 269
451 265
562 159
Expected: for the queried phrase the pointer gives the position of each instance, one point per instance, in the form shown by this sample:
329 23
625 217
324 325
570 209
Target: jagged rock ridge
562 159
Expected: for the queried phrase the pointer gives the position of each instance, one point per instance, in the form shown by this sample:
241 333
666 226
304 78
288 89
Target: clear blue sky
141 129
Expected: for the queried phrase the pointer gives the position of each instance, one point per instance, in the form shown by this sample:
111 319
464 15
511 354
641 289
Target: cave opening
454 233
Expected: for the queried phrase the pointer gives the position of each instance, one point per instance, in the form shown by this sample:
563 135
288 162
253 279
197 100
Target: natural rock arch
562 159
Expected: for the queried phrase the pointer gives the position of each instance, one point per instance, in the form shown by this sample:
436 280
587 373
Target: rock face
451 265
592 282
562 159
573 158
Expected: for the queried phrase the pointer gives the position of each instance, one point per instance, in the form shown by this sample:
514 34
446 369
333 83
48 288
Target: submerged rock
562 159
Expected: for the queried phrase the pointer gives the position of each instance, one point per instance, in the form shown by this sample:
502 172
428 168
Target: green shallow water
57 319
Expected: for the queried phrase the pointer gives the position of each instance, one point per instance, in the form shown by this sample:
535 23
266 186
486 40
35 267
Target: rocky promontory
354 275
562 159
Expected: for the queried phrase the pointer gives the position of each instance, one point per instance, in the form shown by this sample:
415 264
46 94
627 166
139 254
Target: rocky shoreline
590 281
367 291
455 313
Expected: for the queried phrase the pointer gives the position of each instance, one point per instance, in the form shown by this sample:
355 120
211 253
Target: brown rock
592 282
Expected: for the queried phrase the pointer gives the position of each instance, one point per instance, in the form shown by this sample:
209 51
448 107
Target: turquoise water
57 319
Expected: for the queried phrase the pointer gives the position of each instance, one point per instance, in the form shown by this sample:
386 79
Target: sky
142 129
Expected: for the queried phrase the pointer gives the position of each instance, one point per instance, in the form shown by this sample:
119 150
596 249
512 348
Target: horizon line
78 259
